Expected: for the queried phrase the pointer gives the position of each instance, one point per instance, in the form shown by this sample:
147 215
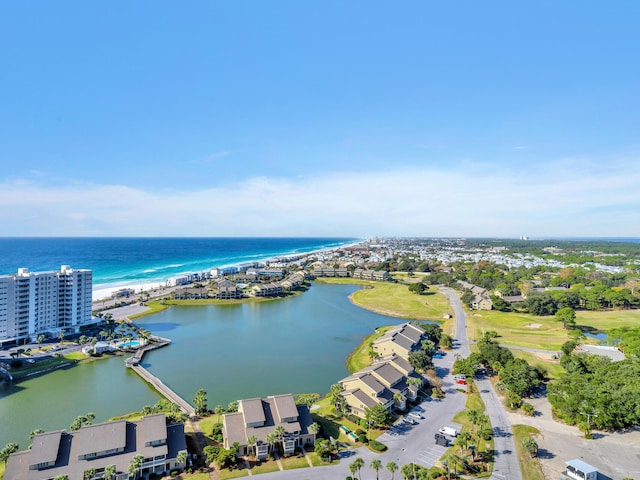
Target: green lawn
207 423
396 300
530 467
316 461
546 333
359 358
552 367
607 320
265 467
290 463
40 365
226 473
519 329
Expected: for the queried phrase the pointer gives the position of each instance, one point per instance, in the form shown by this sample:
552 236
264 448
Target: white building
34 303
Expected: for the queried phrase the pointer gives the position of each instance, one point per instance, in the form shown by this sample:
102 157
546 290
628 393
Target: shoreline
104 291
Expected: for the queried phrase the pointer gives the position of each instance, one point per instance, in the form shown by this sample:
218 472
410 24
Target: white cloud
570 198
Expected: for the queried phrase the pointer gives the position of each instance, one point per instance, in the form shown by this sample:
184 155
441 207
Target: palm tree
399 398
392 468
8 450
109 472
272 439
463 440
251 442
353 468
181 458
89 473
359 463
279 431
135 465
61 336
531 446
314 428
473 417
376 465
408 471
40 339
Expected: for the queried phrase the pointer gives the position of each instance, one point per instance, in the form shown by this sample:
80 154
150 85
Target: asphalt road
506 464
415 443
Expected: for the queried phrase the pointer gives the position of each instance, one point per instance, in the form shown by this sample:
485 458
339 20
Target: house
401 340
390 381
580 470
195 293
267 290
258 417
95 447
481 303
379 275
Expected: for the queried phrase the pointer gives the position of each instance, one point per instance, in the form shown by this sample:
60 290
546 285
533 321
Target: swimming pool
134 343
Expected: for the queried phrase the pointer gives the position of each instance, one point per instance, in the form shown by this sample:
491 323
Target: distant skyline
332 119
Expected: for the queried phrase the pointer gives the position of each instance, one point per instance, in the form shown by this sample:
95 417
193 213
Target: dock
134 363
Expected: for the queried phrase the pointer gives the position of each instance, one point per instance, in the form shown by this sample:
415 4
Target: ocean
119 262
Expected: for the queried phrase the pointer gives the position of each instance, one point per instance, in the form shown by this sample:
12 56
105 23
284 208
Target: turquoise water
127 261
129 344
297 344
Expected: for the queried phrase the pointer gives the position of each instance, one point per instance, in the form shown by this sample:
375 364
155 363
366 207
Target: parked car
437 355
415 416
409 421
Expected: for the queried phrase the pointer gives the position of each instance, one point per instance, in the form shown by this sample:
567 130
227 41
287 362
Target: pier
134 363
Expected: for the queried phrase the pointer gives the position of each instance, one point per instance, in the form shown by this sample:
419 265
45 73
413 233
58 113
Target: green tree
314 428
567 316
531 446
61 336
8 450
40 339
181 458
359 463
200 402
89 473
376 465
109 472
408 471
417 288
353 468
279 432
81 421
392 468
446 341
252 442
135 465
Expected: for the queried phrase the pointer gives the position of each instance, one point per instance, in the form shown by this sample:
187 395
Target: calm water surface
297 345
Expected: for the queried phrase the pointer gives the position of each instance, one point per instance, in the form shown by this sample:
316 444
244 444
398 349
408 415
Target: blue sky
320 118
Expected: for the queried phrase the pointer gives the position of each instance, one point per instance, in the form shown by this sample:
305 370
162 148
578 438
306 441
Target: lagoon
297 344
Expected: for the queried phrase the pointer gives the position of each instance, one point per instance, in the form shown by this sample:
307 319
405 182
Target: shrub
362 438
359 432
377 446
528 409
15 363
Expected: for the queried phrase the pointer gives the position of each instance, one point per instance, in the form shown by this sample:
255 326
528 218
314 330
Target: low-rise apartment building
96 448
257 417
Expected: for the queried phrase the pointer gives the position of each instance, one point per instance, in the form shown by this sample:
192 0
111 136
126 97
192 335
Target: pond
297 344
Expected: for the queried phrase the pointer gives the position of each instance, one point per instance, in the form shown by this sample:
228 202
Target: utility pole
589 415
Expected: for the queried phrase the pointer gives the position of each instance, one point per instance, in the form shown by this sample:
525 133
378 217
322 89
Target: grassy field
290 463
359 358
606 320
396 300
226 473
207 423
552 367
155 306
519 329
530 467
265 467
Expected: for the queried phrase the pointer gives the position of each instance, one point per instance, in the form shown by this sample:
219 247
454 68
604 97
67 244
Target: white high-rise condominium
34 303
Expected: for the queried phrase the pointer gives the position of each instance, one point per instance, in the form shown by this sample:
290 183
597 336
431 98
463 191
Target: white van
449 431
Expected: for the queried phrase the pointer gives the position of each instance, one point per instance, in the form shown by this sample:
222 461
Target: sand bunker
534 325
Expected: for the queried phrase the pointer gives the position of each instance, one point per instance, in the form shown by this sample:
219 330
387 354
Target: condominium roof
45 447
101 437
285 406
252 410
